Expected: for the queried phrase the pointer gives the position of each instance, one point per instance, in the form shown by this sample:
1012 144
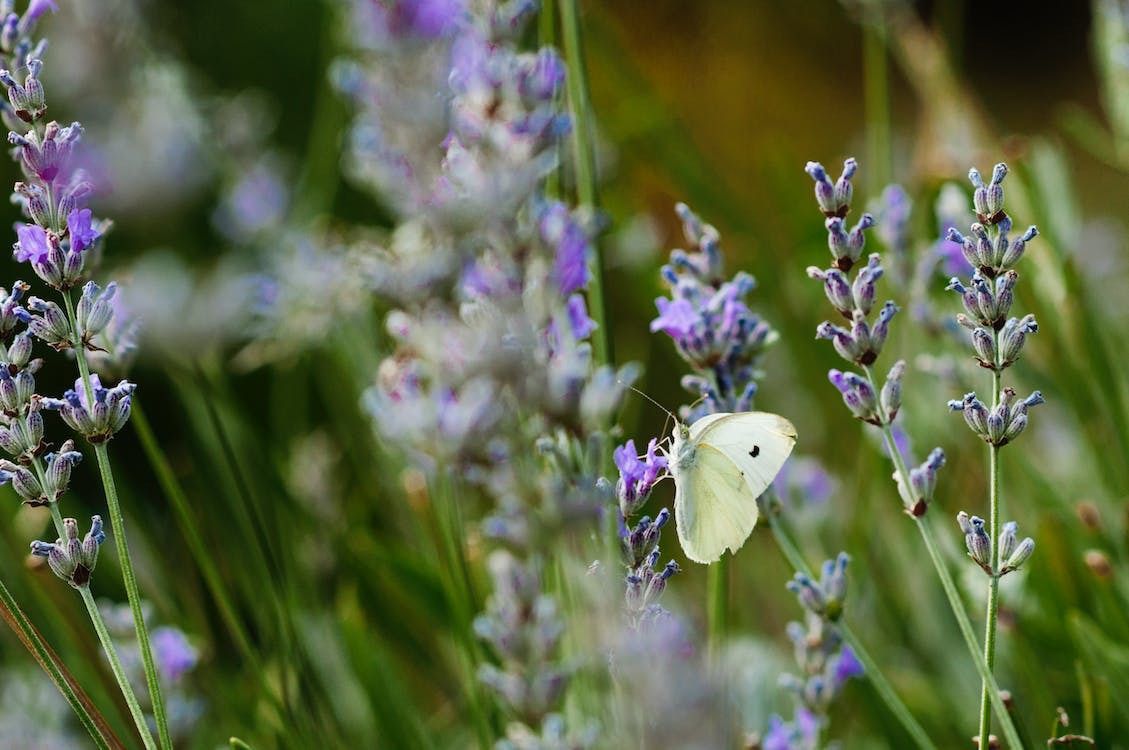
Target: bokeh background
216 131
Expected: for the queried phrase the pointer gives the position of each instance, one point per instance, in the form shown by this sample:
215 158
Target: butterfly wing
713 507
758 443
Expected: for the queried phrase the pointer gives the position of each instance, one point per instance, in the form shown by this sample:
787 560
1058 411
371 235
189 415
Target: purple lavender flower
32 245
80 229
847 667
174 654
418 19
637 474
571 246
35 9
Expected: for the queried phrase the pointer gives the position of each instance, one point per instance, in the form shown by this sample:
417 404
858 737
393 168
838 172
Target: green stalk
876 92
992 615
88 715
172 489
717 603
117 526
951 592
118 670
870 667
584 161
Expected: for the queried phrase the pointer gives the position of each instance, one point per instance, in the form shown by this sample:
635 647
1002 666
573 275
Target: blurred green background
329 564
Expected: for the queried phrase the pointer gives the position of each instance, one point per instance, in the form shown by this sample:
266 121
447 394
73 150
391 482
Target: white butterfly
720 465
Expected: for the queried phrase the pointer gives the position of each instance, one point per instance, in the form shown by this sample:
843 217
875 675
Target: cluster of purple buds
1013 553
12 313
1001 424
710 322
989 249
823 598
835 203
861 343
524 628
922 482
859 396
97 416
639 544
73 560
56 474
825 661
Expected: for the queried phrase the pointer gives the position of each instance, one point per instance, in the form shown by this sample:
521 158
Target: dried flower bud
73 560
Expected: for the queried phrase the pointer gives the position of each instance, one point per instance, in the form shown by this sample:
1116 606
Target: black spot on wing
756 451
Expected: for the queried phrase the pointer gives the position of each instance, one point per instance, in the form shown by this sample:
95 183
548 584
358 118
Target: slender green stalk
166 477
951 592
876 92
584 161
118 670
117 526
993 607
717 602
88 715
873 674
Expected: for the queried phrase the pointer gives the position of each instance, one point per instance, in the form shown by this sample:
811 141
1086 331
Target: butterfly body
720 465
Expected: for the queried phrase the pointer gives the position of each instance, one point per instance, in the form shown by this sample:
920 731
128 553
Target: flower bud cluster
639 544
835 202
826 662
1000 424
524 628
918 493
73 560
1012 552
709 320
98 414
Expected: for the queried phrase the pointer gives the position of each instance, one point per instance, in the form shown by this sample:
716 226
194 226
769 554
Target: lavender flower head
826 663
710 323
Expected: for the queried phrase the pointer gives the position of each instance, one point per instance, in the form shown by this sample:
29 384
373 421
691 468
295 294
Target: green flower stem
117 526
584 161
717 602
118 670
993 607
874 675
88 715
951 592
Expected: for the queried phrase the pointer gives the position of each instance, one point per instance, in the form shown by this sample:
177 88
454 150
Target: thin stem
166 477
876 91
118 670
584 161
117 526
870 667
951 592
993 607
717 602
87 713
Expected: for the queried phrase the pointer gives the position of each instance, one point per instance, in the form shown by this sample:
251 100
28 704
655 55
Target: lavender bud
880 331
70 559
891 398
1008 540
843 188
19 351
1020 555
922 483
864 290
1012 337
836 287
1015 251
984 344
975 413
977 541
857 395
856 240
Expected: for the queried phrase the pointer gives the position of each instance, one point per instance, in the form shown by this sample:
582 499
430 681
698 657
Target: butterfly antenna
669 414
